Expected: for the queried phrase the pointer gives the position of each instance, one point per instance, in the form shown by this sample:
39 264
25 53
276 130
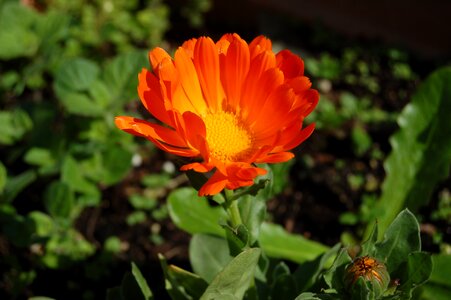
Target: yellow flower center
227 137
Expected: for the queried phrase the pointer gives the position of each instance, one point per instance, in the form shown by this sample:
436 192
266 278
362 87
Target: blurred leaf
73 177
361 140
116 163
431 291
66 248
43 223
76 75
142 202
208 255
136 217
441 272
193 213
59 199
14 125
276 242
17 183
421 152
120 74
3 177
156 180
39 157
233 281
147 293
80 104
16 35
401 238
17 42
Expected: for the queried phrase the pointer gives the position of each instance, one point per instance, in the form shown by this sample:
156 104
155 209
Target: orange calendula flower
230 104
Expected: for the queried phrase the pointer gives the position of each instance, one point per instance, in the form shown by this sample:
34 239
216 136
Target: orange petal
189 79
304 134
145 129
214 185
158 55
198 167
206 62
149 91
234 69
189 47
290 64
276 157
257 90
273 112
195 130
258 45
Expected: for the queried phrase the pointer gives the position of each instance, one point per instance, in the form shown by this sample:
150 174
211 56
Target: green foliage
133 287
398 252
276 242
193 214
421 152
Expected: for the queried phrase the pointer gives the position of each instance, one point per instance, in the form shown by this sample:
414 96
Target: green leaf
421 152
233 281
59 199
415 271
369 246
308 273
431 291
208 255
237 238
43 223
120 74
74 178
76 75
3 177
80 104
17 42
283 284
14 125
253 212
173 287
336 273
401 238
361 291
39 157
276 242
133 287
116 163
192 283
147 293
308 296
193 214
16 35
17 183
441 272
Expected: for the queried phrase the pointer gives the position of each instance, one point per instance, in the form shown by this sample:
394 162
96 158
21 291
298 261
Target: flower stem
232 209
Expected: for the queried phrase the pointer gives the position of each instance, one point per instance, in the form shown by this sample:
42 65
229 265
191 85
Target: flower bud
372 271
